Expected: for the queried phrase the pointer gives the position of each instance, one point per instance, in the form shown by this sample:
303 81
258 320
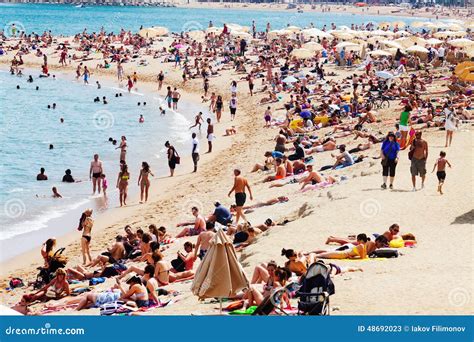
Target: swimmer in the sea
56 194
141 119
98 85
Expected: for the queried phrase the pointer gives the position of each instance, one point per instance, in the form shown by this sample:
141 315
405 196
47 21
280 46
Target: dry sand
434 278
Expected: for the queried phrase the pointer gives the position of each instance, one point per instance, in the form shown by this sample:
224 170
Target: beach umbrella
344 28
347 45
302 53
152 32
384 74
160 31
289 79
293 28
381 33
434 41
219 274
393 51
313 46
235 27
384 24
342 35
455 27
417 49
461 66
469 52
241 35
214 29
402 33
400 24
417 24
410 41
391 43
197 35
360 4
467 75
445 34
314 32
380 53
461 42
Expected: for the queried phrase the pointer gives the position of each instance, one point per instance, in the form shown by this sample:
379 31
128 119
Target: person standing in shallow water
123 148
95 171
122 184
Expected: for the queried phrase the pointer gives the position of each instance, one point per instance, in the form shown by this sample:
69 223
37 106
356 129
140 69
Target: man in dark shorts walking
419 150
240 183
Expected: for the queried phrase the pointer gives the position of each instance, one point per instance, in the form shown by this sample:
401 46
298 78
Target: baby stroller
316 287
45 275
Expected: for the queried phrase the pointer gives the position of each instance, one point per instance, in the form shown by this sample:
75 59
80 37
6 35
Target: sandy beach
432 278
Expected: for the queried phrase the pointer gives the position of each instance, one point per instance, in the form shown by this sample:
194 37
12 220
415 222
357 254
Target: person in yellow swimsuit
122 184
359 251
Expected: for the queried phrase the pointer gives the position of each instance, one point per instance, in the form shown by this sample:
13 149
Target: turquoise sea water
28 127
68 20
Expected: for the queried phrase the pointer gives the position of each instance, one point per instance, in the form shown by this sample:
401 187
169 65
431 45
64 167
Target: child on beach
105 184
441 173
268 117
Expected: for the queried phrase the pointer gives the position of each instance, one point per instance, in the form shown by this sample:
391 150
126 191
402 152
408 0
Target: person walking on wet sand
195 151
197 121
122 184
173 157
210 134
440 164
419 155
240 184
95 171
175 97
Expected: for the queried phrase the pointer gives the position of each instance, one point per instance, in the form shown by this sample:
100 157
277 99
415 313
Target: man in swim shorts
240 184
95 171
419 148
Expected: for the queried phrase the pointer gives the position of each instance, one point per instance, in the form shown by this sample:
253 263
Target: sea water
69 20
28 128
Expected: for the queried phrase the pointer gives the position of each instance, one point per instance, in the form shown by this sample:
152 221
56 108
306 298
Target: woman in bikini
123 148
55 289
297 263
359 251
86 225
122 184
262 273
256 297
137 292
47 251
143 181
162 271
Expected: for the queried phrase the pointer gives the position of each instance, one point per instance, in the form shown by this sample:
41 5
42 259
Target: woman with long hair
143 181
122 184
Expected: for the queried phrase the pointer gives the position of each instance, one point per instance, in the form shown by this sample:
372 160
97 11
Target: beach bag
16 282
95 281
384 253
178 159
108 309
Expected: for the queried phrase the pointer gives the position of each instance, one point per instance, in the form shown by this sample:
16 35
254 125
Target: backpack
16 282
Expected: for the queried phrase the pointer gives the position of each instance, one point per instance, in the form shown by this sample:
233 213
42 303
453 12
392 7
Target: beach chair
316 287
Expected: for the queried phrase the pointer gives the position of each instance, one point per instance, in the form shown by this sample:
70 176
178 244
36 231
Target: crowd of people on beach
322 115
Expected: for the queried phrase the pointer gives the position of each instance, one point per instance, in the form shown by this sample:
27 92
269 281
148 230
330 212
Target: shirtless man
313 177
391 233
210 134
419 148
113 255
94 173
199 225
240 183
204 241
175 96
280 171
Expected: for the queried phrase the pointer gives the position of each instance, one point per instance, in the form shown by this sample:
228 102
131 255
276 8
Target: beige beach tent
400 24
445 34
402 33
241 35
214 29
313 46
314 32
461 42
392 44
219 275
342 35
302 53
